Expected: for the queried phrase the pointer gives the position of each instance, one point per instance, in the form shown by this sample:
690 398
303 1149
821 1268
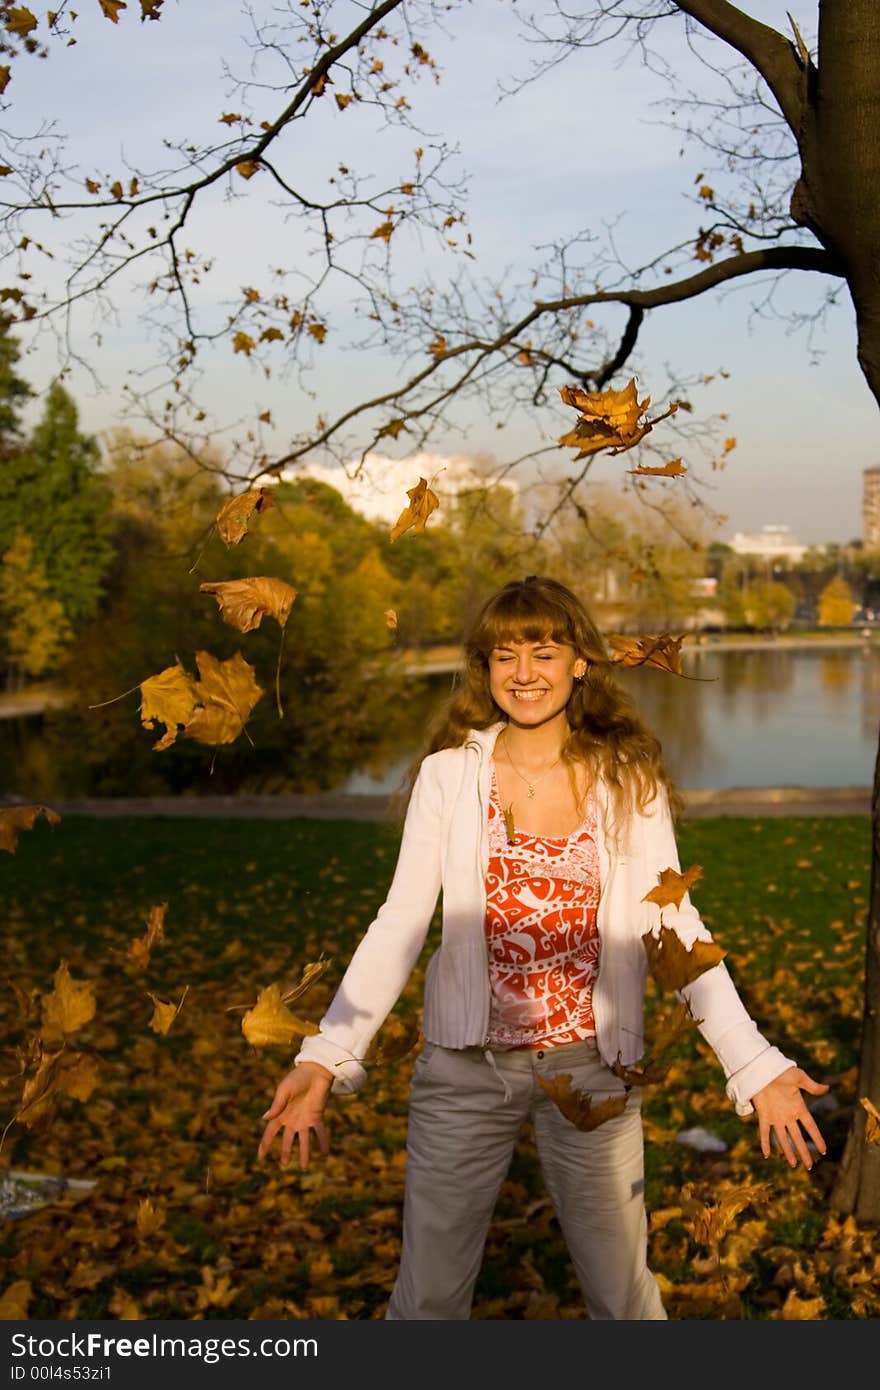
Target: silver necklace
530 785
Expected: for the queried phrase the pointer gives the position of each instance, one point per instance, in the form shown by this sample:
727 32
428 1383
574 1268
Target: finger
764 1132
815 1088
268 1135
323 1136
785 1146
800 1144
814 1132
304 1147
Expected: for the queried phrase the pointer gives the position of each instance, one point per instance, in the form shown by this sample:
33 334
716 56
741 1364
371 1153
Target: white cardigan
445 845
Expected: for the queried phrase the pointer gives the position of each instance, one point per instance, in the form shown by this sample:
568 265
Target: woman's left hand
783 1114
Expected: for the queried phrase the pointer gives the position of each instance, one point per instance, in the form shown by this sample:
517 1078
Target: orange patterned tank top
541 899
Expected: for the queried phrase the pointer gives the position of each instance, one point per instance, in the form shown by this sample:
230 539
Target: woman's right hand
297 1108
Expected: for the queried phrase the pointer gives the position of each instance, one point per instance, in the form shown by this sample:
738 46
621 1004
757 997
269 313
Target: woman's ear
580 669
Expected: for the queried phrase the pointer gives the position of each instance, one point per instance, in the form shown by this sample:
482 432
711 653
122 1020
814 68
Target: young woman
542 811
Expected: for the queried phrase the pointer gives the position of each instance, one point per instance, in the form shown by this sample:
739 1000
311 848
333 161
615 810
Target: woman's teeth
527 694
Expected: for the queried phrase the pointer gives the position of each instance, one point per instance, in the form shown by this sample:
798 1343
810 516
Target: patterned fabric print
541 900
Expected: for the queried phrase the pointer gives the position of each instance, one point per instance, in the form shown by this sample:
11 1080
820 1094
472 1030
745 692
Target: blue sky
582 146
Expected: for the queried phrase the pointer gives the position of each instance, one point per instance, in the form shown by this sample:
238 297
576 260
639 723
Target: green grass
176 1118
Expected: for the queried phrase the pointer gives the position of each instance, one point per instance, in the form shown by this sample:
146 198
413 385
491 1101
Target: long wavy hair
605 731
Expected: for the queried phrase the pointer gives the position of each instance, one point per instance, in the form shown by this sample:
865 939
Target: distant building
378 488
871 508
770 543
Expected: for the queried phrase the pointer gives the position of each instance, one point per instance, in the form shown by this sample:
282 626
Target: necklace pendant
531 792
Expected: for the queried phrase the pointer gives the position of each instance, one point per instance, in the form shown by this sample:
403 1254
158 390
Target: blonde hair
605 731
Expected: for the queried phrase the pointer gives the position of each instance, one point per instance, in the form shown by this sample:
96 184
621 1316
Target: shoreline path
701 804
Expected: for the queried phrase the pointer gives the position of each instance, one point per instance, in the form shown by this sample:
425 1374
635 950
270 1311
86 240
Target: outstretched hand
783 1115
298 1108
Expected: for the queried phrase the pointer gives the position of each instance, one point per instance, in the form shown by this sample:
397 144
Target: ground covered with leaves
184 1222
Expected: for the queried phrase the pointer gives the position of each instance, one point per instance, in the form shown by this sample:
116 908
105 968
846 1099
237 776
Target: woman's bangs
504 628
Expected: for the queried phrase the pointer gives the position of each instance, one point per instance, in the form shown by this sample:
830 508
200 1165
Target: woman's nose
524 669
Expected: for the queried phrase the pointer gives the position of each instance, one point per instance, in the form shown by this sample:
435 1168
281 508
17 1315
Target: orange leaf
14 819
247 168
150 9
664 651
343 99
245 602
577 1106
383 231
673 886
5 78
673 966
609 419
318 330
673 469
422 503
225 696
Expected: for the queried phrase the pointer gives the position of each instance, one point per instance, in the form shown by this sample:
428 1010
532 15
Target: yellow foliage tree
836 603
35 630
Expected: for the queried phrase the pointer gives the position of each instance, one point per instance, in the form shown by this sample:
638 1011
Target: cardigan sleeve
384 959
748 1060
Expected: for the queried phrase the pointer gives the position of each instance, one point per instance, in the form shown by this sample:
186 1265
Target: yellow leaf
133 188
872 1124
712 1220
38 1095
245 602
421 504
77 1075
802 1309
664 651
271 335
20 21
609 419
383 231
730 444
673 886
577 1106
438 347
150 9
5 78
124 1307
672 964
270 1023
311 972
707 193
673 469
214 1292
15 1301
93 186
243 342
653 1069
149 1218
343 99
14 819
116 188
164 1013
247 168
392 429
234 515
390 618
170 698
318 330
69 1007
138 954
225 695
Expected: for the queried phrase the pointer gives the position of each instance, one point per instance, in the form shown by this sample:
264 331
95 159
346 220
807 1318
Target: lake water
769 718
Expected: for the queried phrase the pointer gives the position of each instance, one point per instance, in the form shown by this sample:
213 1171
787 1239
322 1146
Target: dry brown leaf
673 886
713 1219
38 1097
654 1069
673 469
225 696
138 954
248 167
673 966
77 1075
310 973
111 8
872 1123
69 1007
14 819
271 1024
168 697
396 1038
663 651
509 823
421 504
234 516
20 21
577 1106
165 1011
245 602
609 419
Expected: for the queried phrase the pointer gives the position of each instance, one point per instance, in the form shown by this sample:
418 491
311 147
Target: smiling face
531 682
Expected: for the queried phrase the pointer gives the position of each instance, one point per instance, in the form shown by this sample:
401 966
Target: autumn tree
788 184
836 605
33 629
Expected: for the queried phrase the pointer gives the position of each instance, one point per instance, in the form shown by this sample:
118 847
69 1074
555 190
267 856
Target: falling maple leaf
673 469
673 886
271 1024
872 1123
234 516
138 954
654 1069
577 1106
14 819
225 696
421 504
609 419
20 21
245 602
168 697
711 1220
165 1011
663 651
672 964
69 1007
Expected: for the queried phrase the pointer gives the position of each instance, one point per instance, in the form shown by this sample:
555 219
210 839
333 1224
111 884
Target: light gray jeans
465 1115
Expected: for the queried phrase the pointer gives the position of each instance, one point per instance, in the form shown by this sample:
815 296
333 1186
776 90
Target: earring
580 670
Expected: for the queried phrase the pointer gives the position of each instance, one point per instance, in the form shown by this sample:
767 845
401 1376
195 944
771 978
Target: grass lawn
184 1223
